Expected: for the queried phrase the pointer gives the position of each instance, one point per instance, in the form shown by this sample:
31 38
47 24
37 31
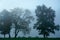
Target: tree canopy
45 20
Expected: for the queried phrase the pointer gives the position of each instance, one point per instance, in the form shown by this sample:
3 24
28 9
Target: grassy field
29 38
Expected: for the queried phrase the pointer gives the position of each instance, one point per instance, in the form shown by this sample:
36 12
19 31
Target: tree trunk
15 32
15 29
9 35
44 36
4 35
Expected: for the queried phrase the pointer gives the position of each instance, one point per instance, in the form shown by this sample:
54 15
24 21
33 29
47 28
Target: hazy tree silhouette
21 21
45 21
5 22
27 17
16 13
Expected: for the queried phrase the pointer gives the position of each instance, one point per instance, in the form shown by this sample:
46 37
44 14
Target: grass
29 38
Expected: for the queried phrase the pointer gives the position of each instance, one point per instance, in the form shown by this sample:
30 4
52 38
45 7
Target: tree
21 21
27 17
5 22
45 20
16 14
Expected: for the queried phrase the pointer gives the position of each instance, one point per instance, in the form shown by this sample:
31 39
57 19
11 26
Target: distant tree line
22 18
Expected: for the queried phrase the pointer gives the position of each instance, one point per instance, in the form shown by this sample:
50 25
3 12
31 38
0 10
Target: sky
31 5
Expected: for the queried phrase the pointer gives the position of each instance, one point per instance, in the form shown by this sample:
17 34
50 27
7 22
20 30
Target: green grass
29 38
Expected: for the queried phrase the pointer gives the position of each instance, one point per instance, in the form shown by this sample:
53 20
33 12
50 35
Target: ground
29 38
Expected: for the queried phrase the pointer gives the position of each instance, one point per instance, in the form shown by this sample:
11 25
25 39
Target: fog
31 5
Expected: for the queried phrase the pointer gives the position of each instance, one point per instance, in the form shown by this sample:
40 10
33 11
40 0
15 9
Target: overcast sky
31 5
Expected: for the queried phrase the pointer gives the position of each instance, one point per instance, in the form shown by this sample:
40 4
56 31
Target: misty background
31 5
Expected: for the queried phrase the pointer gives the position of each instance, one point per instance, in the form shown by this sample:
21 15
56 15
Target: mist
31 5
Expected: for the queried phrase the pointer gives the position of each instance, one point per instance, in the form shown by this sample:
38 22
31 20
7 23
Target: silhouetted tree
21 21
16 13
5 22
27 17
45 21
